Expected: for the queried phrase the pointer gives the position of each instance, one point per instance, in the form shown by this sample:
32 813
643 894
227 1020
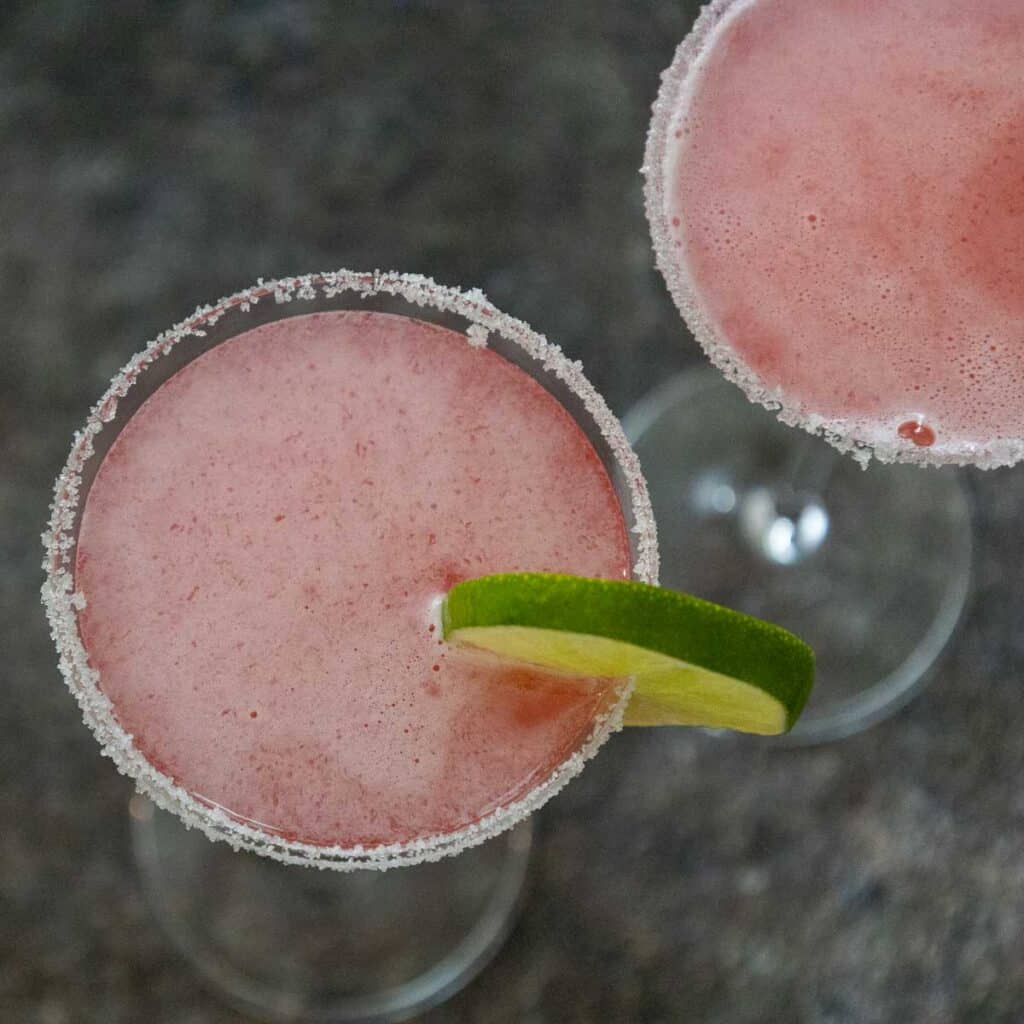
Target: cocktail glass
347 943
869 562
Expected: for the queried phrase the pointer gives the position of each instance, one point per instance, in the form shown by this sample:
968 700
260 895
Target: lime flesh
693 662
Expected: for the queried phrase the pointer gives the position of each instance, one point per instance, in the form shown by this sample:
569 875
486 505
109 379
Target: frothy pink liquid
846 194
260 550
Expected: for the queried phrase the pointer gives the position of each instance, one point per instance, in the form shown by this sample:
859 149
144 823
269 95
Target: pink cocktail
249 614
836 192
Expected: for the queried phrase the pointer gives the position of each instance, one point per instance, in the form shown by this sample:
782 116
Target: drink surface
259 554
844 202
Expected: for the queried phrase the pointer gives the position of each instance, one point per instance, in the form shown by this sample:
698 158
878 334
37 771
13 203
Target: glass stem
786 521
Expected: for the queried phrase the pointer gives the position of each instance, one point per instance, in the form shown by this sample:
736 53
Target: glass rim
844 435
63 602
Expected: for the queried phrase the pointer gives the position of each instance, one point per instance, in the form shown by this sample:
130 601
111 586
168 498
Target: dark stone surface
153 156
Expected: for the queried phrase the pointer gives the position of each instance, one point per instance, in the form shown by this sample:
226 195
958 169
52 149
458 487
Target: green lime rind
693 662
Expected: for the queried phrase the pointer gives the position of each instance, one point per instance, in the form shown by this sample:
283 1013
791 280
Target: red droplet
920 433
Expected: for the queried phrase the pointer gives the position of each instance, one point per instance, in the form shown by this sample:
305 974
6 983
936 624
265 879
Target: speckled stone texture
158 155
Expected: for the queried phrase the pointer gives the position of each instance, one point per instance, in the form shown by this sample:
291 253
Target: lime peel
693 662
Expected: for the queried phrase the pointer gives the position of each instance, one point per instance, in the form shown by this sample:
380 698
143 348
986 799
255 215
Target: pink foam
260 551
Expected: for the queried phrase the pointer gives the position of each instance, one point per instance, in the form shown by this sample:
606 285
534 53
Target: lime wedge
694 663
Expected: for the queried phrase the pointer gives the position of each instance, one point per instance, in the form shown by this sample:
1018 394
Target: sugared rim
63 602
843 434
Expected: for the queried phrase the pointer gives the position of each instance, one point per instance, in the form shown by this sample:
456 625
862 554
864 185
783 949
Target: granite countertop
156 156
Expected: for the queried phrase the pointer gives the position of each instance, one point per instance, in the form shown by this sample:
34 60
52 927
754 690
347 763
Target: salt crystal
478 335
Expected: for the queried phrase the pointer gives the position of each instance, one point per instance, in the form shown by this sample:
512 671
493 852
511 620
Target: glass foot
286 943
870 567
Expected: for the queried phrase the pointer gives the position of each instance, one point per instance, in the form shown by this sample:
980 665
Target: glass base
286 943
870 567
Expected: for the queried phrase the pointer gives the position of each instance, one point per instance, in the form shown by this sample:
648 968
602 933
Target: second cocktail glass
811 267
